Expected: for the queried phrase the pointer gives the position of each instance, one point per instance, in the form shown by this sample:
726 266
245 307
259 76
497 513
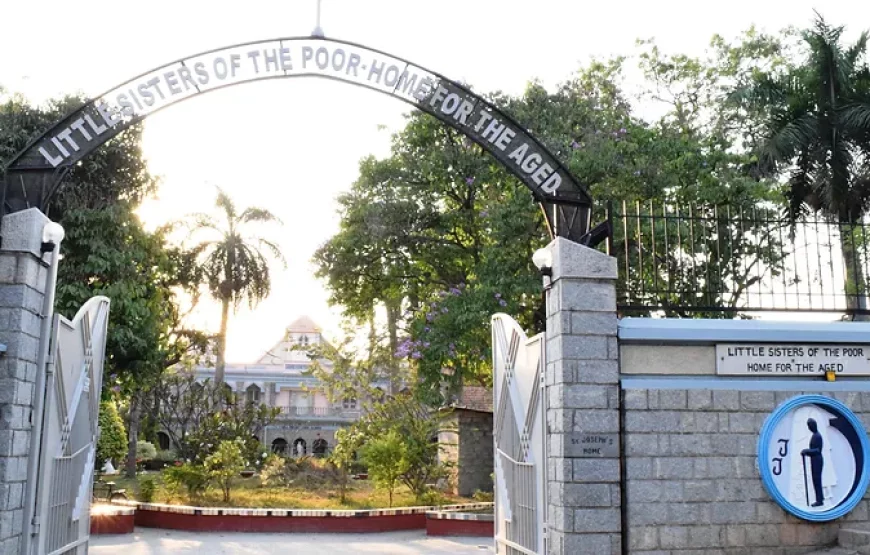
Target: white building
308 421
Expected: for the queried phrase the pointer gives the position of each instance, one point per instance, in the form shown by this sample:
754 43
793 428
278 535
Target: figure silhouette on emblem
817 463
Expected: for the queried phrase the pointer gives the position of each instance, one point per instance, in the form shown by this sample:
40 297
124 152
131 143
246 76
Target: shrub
112 444
483 496
192 477
387 460
225 464
146 490
274 472
415 425
161 459
237 423
145 451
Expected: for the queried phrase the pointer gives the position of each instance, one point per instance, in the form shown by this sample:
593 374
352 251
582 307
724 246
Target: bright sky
292 146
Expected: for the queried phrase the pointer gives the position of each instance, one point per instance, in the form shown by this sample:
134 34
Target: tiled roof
475 398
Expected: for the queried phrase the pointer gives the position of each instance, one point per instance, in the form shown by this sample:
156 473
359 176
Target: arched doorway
319 447
279 446
300 447
31 178
163 441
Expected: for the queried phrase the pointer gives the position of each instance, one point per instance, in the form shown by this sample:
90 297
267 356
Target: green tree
233 263
417 426
106 251
387 461
815 130
226 421
441 226
112 445
345 371
225 464
347 443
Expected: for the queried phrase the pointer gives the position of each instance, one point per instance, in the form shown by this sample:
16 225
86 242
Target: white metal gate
520 444
73 382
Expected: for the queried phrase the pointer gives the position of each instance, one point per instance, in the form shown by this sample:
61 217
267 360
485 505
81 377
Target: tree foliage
441 230
198 416
106 250
813 114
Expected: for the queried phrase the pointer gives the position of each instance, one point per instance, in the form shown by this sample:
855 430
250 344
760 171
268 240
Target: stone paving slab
147 541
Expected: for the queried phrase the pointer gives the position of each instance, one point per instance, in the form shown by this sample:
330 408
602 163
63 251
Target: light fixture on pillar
543 260
52 235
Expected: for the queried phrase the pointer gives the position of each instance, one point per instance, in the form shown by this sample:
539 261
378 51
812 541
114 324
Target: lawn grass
248 492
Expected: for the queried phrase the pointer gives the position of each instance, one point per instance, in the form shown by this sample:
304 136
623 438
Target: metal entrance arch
31 178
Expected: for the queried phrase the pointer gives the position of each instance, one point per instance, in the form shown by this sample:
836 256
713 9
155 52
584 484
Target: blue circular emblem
813 455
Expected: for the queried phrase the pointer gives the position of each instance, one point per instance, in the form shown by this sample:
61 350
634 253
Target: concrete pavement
148 541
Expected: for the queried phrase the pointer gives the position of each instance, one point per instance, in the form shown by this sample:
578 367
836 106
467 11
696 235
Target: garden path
147 541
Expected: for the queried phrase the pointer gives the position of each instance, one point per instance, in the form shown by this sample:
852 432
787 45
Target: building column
23 275
583 513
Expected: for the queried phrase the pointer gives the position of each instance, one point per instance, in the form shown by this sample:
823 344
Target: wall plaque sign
771 359
813 455
591 445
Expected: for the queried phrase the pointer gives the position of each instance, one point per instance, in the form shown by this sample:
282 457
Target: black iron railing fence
718 261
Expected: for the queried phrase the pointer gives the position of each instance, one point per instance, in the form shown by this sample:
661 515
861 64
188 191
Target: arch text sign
81 132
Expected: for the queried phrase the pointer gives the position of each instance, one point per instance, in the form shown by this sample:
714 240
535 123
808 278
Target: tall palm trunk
221 362
226 296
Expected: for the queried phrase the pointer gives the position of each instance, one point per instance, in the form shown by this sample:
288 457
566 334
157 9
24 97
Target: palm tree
234 265
816 131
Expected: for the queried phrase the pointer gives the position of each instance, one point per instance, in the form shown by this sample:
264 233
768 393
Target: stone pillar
584 515
270 393
23 272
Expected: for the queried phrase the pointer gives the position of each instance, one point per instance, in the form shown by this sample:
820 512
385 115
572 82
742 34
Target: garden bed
236 519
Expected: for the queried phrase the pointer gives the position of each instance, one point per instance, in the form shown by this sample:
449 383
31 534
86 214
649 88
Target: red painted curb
112 524
287 524
449 527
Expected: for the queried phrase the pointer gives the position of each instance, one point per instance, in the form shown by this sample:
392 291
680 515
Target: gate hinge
34 526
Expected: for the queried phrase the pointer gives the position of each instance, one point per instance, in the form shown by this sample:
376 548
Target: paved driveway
147 541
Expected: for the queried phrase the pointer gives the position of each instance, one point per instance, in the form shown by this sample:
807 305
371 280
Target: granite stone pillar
583 513
23 273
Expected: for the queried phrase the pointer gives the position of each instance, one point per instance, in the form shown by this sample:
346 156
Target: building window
349 403
252 394
303 340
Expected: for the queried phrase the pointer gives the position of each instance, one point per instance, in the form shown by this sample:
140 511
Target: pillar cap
573 260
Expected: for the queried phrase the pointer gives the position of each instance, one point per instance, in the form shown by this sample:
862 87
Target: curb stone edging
227 519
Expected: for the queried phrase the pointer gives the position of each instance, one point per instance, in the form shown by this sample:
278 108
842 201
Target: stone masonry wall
475 467
22 280
693 485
